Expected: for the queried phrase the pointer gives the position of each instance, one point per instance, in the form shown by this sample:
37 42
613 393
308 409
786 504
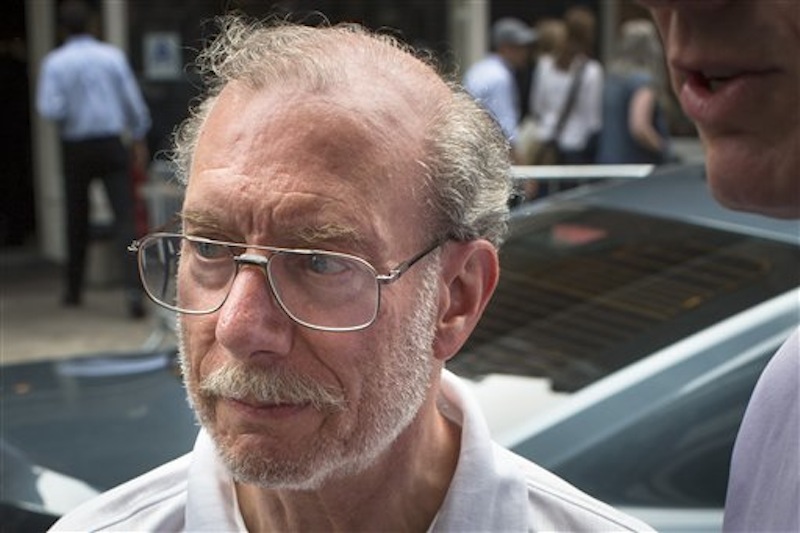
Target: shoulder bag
549 153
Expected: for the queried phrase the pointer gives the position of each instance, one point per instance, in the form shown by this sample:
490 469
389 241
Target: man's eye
327 265
209 250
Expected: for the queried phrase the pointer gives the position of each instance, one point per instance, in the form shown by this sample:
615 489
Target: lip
262 412
741 93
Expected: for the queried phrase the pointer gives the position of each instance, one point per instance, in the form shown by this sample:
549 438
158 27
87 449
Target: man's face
734 65
286 405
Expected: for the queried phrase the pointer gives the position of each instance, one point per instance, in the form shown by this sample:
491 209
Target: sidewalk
34 325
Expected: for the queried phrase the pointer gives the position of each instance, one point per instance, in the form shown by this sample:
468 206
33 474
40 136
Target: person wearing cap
491 80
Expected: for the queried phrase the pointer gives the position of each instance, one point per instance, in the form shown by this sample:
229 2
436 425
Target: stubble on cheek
187 353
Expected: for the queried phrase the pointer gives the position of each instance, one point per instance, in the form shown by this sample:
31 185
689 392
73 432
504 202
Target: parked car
627 332
73 428
630 324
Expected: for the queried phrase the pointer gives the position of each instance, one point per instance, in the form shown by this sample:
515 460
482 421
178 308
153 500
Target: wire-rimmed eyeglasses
319 289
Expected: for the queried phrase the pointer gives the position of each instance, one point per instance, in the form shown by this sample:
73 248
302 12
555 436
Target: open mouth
712 82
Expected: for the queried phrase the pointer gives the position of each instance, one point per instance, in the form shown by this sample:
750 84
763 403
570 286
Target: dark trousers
106 159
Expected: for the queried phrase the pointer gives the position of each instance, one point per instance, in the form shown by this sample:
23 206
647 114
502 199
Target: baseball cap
511 30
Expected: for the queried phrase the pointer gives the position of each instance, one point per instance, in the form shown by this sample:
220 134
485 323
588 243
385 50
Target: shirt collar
486 492
211 496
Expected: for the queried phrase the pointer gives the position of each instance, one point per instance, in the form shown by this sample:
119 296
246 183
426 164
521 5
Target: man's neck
402 491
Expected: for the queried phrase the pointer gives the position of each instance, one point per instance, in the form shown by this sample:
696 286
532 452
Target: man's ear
469 276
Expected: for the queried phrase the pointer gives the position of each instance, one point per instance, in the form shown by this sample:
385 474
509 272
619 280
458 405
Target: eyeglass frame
246 258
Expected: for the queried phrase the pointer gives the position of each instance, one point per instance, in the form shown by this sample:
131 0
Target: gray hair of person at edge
639 50
466 163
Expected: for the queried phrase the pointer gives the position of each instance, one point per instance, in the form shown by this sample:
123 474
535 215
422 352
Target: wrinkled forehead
384 89
258 127
272 157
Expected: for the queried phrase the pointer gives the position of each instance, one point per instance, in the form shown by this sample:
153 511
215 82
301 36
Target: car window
585 291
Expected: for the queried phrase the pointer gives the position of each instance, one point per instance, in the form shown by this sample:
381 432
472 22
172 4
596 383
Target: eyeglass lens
318 289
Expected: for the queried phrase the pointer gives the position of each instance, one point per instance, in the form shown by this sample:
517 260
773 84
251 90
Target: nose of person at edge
734 66
288 168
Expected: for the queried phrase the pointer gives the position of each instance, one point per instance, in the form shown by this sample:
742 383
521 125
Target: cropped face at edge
734 68
289 406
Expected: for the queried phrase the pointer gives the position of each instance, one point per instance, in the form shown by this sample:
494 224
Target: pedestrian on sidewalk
88 89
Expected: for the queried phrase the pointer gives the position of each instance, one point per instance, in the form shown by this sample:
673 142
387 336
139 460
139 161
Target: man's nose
250 321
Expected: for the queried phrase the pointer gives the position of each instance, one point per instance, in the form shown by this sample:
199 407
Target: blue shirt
491 82
88 88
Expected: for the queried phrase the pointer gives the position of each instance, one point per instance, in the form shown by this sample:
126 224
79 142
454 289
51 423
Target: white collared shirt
492 490
551 88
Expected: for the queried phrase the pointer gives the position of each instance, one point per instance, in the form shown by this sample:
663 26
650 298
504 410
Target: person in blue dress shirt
491 80
87 87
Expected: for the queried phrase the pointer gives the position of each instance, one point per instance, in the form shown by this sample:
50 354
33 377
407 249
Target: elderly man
729 64
338 244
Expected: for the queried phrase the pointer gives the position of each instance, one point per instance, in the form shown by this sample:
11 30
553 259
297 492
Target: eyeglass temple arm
400 269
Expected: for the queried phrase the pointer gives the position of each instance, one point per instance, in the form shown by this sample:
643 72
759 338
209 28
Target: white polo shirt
492 490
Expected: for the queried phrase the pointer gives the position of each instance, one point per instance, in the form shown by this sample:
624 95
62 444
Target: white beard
393 392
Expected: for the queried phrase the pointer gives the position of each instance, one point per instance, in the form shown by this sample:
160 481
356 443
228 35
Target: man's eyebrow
202 219
305 234
329 233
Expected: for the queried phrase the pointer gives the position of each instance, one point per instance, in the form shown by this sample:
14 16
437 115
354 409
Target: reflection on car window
585 291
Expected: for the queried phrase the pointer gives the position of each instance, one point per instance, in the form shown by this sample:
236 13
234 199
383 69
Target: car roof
681 192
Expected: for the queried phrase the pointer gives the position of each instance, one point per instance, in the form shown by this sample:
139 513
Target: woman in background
634 125
572 127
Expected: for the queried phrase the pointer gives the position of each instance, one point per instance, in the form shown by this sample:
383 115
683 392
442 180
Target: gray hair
639 50
466 158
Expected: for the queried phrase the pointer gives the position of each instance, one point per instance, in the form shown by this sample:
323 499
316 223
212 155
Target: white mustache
259 385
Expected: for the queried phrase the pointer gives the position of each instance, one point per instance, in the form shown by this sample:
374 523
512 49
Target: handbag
527 144
549 152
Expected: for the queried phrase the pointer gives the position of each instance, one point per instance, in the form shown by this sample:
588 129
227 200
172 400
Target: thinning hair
465 164
639 50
